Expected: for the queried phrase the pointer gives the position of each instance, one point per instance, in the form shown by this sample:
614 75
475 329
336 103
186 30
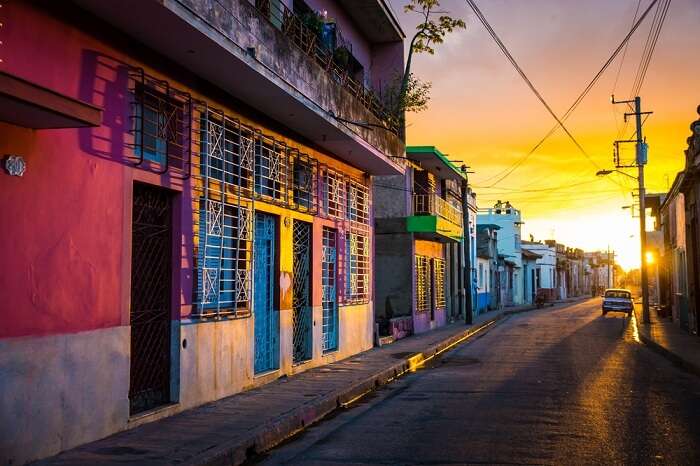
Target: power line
579 99
522 74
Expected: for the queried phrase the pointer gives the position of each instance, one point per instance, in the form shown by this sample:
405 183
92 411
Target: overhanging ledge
26 104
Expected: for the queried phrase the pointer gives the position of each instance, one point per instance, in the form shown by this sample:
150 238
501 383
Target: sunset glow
482 113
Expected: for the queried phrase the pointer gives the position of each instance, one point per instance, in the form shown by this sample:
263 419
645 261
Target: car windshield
617 294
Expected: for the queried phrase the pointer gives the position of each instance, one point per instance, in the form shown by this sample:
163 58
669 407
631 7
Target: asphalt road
556 386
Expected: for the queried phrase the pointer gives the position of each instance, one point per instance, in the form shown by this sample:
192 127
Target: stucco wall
59 391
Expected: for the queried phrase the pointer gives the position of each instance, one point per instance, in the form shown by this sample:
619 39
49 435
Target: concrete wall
240 23
394 271
58 391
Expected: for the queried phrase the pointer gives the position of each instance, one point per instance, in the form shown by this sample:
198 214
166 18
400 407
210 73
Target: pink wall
65 236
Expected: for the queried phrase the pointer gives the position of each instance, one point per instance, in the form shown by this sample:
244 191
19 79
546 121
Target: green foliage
413 95
415 98
431 30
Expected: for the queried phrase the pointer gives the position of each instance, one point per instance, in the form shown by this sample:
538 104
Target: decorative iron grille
423 285
439 272
161 125
223 207
357 287
271 170
329 282
304 182
150 298
358 202
302 332
333 193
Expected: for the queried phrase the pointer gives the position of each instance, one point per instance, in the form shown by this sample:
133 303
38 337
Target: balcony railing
326 53
432 204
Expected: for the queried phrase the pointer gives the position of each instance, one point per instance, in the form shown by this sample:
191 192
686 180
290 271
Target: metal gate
301 301
149 384
267 322
329 282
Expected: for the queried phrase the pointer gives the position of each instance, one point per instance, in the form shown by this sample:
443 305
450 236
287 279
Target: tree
429 32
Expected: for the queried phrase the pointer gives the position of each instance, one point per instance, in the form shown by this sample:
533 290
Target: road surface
555 386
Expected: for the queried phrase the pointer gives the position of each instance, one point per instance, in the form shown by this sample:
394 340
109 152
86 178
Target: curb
275 432
665 352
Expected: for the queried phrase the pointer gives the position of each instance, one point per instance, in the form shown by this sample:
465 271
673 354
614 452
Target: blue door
329 283
267 323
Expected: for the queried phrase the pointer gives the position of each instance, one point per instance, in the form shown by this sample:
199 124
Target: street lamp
642 236
607 172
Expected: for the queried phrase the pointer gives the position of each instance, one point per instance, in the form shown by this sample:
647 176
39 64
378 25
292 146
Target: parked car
617 300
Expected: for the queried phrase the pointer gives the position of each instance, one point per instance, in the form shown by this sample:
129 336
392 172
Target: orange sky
482 112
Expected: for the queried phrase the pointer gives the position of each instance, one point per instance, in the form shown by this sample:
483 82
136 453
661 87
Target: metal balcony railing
300 31
432 204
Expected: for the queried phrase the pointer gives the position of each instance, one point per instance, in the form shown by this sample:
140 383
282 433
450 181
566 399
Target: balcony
434 218
273 64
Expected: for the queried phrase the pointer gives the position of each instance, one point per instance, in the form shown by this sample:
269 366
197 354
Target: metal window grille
329 286
223 162
333 193
358 202
423 284
439 272
357 268
304 182
161 125
271 170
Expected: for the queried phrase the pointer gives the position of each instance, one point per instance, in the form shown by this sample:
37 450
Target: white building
509 243
546 266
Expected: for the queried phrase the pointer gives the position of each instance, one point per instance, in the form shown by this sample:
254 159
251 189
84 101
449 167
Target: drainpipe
466 244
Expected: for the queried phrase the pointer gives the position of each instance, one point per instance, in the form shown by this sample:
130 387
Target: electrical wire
522 74
576 102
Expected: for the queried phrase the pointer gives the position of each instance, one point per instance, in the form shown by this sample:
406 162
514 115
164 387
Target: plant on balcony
313 21
415 97
430 31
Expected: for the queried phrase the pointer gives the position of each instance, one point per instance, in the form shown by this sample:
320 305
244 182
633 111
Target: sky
483 113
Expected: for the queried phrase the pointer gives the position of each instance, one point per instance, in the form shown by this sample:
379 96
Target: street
562 385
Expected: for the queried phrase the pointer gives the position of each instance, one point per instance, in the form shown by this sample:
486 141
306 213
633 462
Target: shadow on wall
105 83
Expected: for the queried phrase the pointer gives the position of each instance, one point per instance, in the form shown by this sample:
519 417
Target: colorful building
488 274
186 203
508 219
418 215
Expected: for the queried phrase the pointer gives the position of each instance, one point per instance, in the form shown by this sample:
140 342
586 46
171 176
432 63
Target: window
439 271
358 202
357 268
423 285
226 152
223 277
333 194
304 182
161 124
270 169
480 283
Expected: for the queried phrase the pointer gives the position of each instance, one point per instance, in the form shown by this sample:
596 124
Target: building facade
488 275
508 219
418 216
546 268
674 255
185 219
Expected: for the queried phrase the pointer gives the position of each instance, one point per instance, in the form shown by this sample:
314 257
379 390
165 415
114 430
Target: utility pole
641 160
467 248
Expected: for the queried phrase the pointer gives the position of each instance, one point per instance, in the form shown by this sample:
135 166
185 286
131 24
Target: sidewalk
230 430
670 340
